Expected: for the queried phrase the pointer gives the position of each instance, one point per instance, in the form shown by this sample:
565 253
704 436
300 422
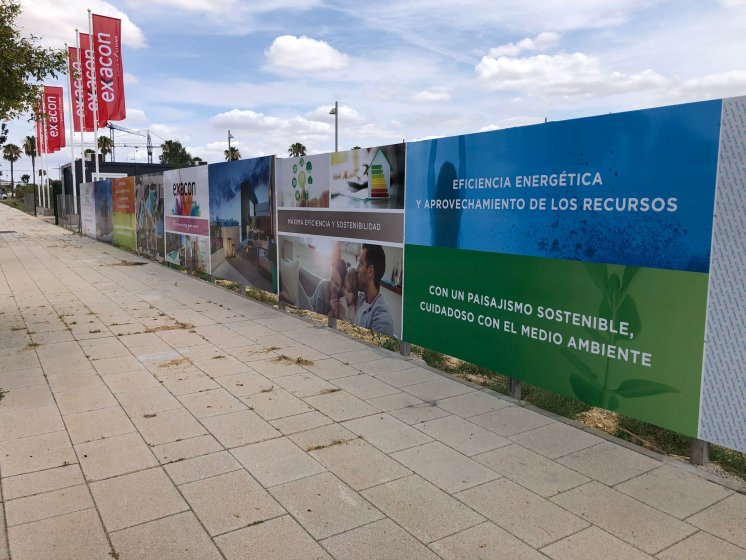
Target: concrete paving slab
178 537
275 403
416 413
240 428
41 481
277 539
230 501
167 426
324 505
48 504
136 498
387 433
556 440
67 537
98 424
531 518
84 400
277 461
726 519
359 464
588 543
304 384
674 491
484 542
703 545
642 526
23 378
123 382
365 386
147 401
405 499
36 453
26 397
462 435
301 422
322 437
245 384
185 449
201 467
380 540
105 458
511 420
24 422
331 368
531 470
609 463
341 406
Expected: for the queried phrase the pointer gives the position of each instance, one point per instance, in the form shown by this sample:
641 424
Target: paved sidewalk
149 415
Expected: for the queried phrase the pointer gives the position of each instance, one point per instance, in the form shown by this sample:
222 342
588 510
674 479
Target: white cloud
130 79
540 43
135 118
347 115
253 122
55 22
562 74
724 84
511 122
304 53
433 95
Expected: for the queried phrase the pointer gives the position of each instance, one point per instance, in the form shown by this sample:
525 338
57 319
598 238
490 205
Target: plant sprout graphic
618 305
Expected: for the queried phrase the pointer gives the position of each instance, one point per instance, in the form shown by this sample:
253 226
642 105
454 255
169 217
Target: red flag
89 81
55 114
107 43
74 72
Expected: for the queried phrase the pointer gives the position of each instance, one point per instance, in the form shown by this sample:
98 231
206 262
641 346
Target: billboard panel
123 204
186 213
572 255
149 214
340 221
104 210
242 233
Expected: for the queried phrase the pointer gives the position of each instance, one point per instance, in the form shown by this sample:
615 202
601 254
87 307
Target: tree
29 148
11 153
25 178
105 146
233 155
297 150
174 154
23 64
196 160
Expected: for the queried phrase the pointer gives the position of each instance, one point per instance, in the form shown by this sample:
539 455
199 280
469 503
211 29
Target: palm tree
233 155
29 148
105 146
11 153
297 150
25 178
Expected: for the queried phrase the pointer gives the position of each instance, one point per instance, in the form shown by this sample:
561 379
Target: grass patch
174 363
128 263
282 358
329 391
333 443
3 392
175 327
14 329
31 346
268 390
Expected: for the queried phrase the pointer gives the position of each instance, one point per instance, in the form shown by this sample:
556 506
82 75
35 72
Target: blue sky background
270 71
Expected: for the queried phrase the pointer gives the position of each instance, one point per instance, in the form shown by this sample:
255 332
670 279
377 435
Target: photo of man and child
355 282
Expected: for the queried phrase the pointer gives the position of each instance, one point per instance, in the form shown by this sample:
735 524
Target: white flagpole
95 90
71 67
81 117
44 191
39 155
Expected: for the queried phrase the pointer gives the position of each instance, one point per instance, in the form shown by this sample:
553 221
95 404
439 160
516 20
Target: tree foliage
105 146
174 154
233 155
11 153
23 64
29 149
297 150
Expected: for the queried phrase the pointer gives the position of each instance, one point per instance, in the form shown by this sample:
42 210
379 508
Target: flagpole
44 193
71 68
81 116
37 193
95 88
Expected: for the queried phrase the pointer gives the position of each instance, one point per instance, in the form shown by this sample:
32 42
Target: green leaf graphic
615 283
586 391
598 273
579 365
635 388
629 275
613 403
628 313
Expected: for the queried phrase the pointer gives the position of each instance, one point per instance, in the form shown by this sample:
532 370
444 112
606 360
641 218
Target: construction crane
145 133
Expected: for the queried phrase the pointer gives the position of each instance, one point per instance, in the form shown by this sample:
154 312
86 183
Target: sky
271 71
